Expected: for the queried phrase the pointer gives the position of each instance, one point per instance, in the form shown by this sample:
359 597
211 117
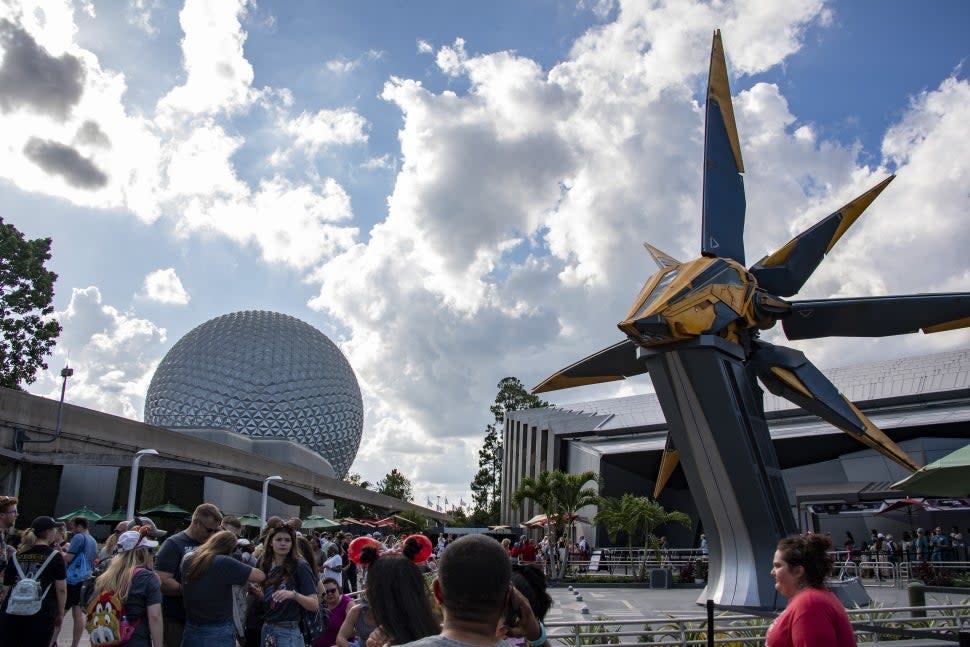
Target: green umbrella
251 520
947 477
319 521
166 509
88 514
118 515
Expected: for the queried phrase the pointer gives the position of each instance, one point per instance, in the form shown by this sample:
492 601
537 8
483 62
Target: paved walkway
616 604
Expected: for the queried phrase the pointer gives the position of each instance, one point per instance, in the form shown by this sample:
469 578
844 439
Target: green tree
620 516
26 306
637 515
486 485
353 509
559 496
458 517
418 521
396 485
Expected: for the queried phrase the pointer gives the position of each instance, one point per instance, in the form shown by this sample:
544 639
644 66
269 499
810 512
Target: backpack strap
20 571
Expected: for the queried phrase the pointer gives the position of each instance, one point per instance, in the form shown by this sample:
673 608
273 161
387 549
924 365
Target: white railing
741 630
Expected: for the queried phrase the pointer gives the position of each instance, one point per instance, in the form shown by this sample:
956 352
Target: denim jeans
220 634
284 636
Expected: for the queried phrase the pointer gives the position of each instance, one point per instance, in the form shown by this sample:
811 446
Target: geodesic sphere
265 375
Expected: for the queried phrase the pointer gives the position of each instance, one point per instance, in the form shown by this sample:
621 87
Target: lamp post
133 484
20 436
262 516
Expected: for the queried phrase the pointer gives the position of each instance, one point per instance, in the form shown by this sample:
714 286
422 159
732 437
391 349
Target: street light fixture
133 483
262 516
20 436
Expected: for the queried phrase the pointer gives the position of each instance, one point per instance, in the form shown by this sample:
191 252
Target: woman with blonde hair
208 575
130 576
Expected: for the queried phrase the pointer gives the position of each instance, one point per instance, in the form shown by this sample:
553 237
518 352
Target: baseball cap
43 524
880 536
141 522
132 539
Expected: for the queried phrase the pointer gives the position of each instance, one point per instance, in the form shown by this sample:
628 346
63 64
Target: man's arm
166 565
169 585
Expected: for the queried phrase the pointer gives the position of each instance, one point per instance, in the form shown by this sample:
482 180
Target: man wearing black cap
40 629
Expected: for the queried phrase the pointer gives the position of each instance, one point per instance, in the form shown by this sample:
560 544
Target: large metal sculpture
695 327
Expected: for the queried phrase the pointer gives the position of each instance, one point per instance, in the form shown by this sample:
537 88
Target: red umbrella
907 503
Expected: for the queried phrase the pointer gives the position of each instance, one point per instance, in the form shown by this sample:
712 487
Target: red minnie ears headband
364 550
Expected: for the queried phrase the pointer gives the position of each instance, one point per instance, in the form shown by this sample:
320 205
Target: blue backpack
80 569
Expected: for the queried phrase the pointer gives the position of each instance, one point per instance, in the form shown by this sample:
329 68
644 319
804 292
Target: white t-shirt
332 568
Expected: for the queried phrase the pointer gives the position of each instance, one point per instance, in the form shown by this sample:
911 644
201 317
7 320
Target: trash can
661 578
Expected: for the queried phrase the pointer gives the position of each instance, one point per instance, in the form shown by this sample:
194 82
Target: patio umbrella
166 510
85 512
947 477
907 505
318 521
250 520
114 517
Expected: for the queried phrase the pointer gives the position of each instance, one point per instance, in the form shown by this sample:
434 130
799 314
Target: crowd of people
919 546
208 585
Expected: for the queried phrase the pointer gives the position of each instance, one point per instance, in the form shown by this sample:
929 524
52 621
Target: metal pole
262 516
133 481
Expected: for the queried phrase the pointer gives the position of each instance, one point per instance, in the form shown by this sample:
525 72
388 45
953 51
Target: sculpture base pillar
716 421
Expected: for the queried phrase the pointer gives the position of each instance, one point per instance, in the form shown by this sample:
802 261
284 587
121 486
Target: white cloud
382 162
424 47
344 65
140 15
218 76
113 354
164 286
326 128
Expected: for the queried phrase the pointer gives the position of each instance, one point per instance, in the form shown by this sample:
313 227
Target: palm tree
619 515
635 515
539 490
572 494
559 496
652 515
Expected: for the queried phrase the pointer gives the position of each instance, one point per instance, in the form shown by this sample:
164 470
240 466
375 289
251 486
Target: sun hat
132 539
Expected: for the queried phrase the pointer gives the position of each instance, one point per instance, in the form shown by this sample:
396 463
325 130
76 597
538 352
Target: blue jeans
284 636
219 634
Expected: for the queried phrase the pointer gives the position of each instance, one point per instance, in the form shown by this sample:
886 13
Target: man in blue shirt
82 547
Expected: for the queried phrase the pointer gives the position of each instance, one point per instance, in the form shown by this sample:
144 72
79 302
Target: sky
457 192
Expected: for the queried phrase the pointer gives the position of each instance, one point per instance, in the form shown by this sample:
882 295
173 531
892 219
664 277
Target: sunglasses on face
330 591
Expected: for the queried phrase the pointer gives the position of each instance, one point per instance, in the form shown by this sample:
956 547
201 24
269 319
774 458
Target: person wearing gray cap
41 562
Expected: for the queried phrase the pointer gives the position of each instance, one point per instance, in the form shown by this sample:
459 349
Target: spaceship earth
264 375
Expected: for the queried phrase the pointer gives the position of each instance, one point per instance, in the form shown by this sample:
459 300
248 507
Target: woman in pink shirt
814 616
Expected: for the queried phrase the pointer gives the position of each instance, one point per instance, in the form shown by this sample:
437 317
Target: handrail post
710 623
917 598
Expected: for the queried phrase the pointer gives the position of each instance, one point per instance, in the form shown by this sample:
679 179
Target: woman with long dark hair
814 615
289 588
208 575
398 596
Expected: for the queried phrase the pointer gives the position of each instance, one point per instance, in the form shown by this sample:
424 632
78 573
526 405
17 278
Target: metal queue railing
942 624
